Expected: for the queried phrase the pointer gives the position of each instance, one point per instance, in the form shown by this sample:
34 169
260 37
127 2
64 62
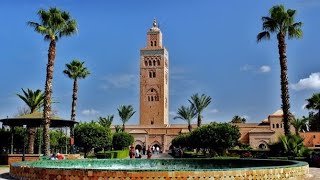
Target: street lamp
24 143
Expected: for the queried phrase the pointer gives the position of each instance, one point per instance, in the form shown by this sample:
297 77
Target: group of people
135 153
57 156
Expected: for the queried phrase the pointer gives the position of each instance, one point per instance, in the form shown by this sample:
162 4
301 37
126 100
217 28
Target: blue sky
212 47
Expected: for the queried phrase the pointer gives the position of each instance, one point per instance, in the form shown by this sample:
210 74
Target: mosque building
154 128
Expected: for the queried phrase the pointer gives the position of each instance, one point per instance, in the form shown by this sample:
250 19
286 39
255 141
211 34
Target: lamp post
24 143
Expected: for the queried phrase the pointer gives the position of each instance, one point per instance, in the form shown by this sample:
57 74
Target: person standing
138 153
149 152
144 150
132 152
153 148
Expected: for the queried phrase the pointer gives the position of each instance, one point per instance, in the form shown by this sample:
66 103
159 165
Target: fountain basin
141 169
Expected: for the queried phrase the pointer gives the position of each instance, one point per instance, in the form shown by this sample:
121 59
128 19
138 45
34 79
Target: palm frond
265 35
269 24
76 70
54 23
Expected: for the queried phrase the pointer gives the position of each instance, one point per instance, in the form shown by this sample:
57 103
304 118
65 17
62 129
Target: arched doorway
263 145
139 147
156 148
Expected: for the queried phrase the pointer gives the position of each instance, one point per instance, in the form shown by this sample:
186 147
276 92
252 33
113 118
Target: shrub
121 140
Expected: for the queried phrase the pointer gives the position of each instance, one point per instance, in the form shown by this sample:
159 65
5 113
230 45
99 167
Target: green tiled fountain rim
97 164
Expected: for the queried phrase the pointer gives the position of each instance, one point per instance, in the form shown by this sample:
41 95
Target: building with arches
154 128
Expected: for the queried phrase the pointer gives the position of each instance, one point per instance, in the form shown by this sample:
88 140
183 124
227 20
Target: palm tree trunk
74 104
31 137
318 119
47 97
199 120
123 127
189 127
284 82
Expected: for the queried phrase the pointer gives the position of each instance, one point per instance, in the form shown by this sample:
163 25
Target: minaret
154 80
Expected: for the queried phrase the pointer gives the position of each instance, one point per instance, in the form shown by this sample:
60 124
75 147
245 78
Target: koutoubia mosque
154 128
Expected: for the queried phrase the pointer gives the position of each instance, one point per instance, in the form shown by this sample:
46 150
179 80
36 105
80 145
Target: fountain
139 169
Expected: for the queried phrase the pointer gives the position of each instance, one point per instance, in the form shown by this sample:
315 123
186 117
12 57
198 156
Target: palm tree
75 70
199 103
238 119
187 114
314 103
106 121
293 146
34 100
282 22
125 113
54 24
300 124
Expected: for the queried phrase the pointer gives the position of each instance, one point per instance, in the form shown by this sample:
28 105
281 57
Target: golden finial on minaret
154 22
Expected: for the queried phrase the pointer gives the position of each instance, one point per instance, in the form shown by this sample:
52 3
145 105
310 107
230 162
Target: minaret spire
154 22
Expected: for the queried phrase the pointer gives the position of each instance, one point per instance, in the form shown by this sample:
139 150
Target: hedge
119 154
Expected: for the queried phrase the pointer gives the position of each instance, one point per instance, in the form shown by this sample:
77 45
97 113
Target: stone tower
154 80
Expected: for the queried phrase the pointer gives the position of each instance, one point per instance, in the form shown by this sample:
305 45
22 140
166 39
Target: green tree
282 22
125 113
314 103
215 137
199 103
91 135
75 70
34 100
313 121
293 146
121 140
300 124
58 140
187 114
238 119
182 140
54 24
106 121
5 135
118 128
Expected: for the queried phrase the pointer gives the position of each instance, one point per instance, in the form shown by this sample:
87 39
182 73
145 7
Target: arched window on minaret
150 63
150 74
146 63
152 95
154 62
155 43
151 43
154 74
158 62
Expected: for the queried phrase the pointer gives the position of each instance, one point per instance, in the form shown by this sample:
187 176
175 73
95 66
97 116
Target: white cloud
265 69
120 81
246 117
88 112
252 68
246 67
311 82
303 106
172 113
213 111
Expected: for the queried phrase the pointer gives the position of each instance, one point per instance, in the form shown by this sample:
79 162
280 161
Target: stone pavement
4 173
314 173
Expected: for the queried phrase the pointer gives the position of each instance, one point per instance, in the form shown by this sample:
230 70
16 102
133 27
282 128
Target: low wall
296 173
58 170
7 159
